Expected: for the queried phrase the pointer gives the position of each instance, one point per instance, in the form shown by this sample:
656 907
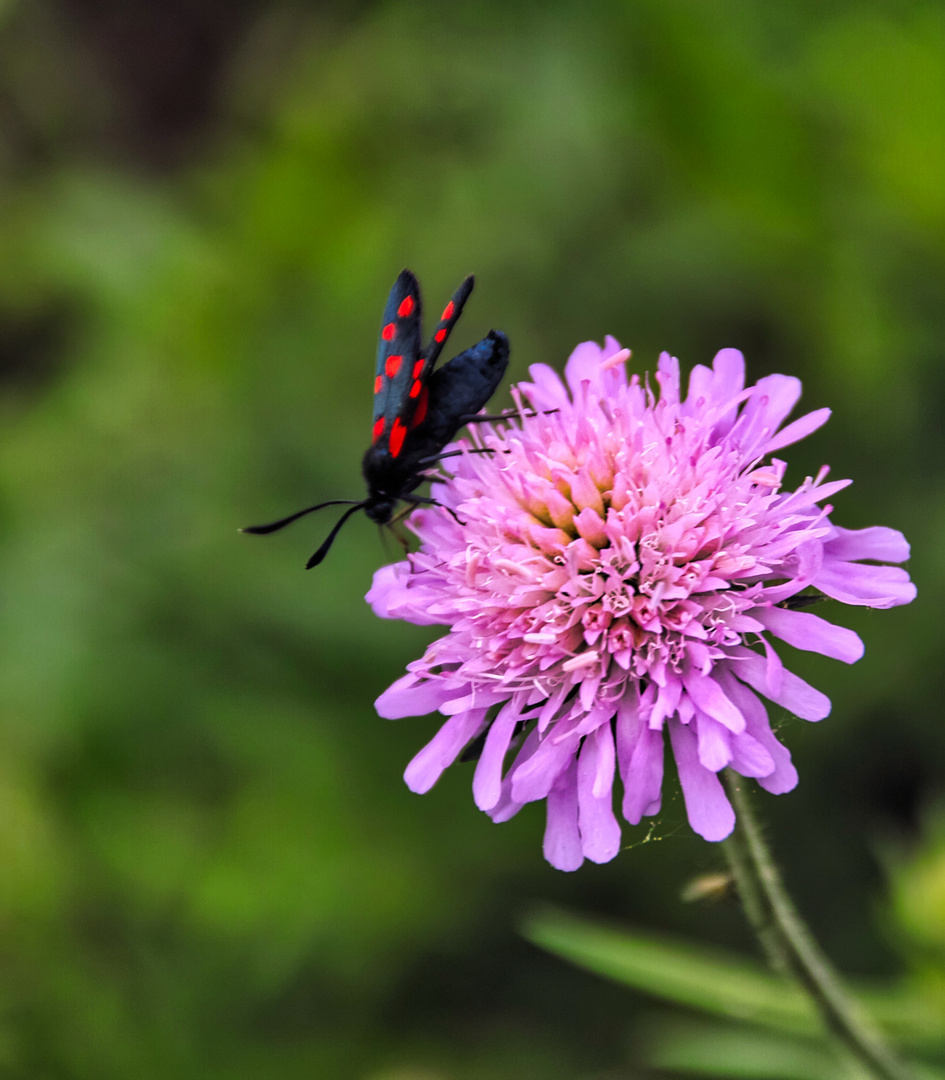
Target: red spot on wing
388 332
378 429
392 366
417 368
397 435
440 335
416 388
406 306
421 412
448 312
378 383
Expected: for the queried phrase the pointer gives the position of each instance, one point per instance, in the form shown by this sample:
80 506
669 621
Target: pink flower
623 565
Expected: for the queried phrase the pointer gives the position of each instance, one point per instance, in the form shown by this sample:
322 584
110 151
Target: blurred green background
209 864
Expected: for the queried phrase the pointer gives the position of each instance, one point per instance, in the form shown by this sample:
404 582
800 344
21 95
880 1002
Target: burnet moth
417 410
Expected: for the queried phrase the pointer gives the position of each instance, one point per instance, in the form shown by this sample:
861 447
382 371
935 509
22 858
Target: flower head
624 561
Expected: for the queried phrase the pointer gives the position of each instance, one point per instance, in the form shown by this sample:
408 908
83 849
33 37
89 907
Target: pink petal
797 430
614 376
552 705
412 695
749 756
583 366
387 580
667 375
477 699
643 776
395 594
809 496
562 844
725 390
667 701
507 807
714 743
590 525
728 367
628 727
865 585
878 542
600 833
774 669
794 694
707 696
442 750
546 390
774 397
487 780
701 383
804 630
534 778
707 807
784 776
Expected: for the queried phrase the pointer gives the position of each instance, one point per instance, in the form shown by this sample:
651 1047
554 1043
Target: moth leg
399 516
399 536
425 500
478 418
802 600
456 453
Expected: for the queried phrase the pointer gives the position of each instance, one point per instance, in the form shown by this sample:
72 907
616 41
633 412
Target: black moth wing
448 318
418 397
402 374
457 391
398 364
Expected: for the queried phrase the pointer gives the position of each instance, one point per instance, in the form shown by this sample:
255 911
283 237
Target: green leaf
718 982
706 1048
713 981
709 1048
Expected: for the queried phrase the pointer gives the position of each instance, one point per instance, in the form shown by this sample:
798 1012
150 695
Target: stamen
582 660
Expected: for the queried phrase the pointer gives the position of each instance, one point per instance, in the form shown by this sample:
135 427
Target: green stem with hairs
789 945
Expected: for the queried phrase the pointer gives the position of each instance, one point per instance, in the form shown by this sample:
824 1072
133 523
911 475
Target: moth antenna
264 530
330 538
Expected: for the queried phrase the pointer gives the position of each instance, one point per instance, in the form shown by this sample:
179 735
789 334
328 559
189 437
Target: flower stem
789 945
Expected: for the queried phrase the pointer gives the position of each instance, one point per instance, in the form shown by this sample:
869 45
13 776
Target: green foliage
770 1028
209 866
